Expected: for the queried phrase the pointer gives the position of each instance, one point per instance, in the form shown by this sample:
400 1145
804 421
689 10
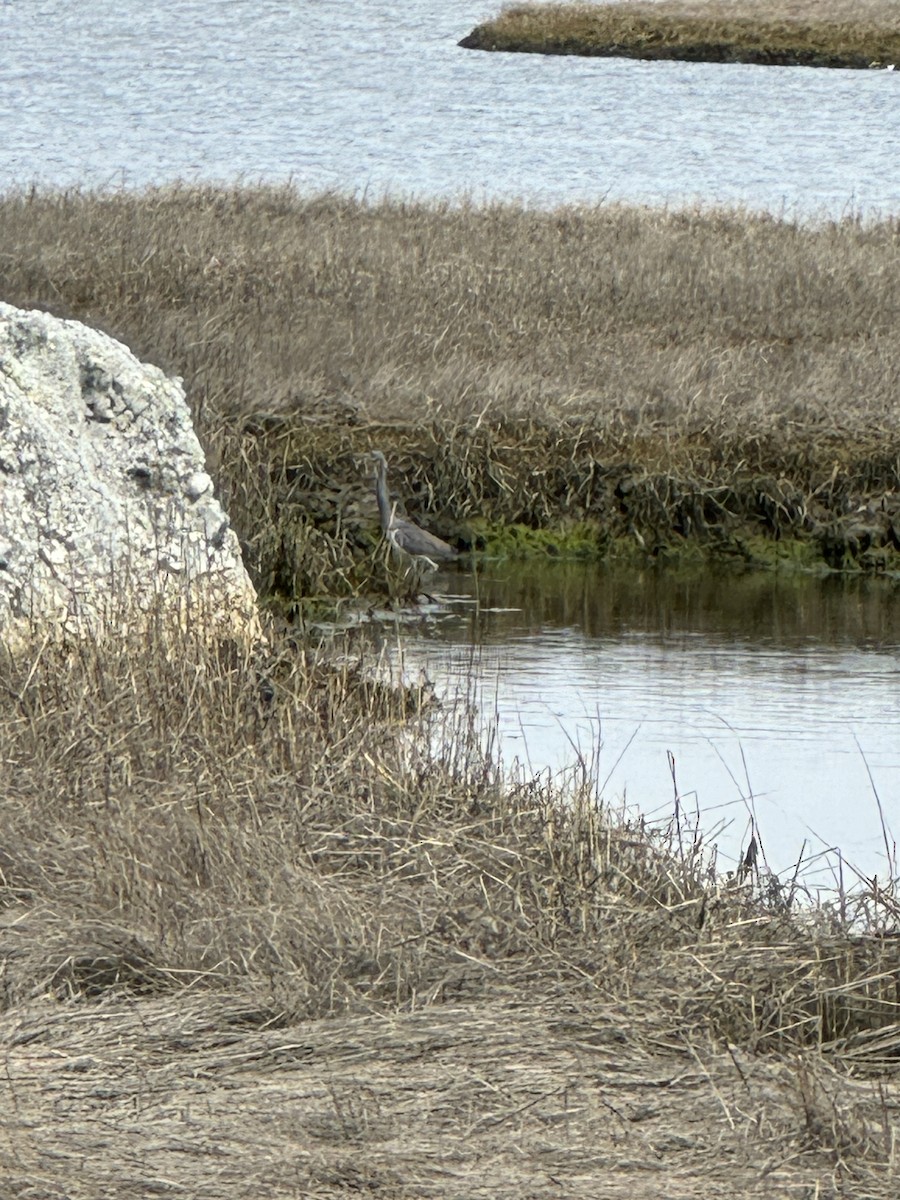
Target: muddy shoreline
480 490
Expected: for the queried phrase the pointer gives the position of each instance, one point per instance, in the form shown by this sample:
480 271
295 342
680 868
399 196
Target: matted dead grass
497 1099
836 33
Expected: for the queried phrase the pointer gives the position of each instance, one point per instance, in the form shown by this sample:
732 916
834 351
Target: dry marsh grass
262 929
665 378
801 33
271 927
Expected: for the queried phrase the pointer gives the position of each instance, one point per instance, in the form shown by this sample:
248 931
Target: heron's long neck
385 512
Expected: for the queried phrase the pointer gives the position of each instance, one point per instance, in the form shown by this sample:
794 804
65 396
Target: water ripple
378 96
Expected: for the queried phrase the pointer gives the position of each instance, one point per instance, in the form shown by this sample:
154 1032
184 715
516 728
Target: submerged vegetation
272 926
836 33
610 380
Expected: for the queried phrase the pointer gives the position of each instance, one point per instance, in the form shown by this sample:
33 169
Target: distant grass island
811 33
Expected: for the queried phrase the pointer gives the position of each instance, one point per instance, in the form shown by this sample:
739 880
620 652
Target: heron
405 537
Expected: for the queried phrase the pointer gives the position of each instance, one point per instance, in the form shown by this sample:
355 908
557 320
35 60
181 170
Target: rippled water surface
778 698
378 96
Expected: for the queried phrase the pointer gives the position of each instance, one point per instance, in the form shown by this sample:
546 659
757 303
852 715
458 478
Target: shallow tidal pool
769 701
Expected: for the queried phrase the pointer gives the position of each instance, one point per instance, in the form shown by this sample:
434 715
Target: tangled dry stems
335 844
281 833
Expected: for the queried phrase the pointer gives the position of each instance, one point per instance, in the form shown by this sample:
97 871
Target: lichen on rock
107 514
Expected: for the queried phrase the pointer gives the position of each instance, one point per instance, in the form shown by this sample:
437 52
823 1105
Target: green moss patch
588 499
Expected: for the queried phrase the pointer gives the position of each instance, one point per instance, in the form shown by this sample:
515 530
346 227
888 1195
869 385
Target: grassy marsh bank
832 34
648 382
268 927
259 935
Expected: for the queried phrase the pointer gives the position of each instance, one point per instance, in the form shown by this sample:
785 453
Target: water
378 97
777 697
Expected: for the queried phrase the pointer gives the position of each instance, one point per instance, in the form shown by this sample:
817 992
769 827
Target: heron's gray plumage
405 536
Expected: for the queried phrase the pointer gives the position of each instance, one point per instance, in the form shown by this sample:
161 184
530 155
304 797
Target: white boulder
107 514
